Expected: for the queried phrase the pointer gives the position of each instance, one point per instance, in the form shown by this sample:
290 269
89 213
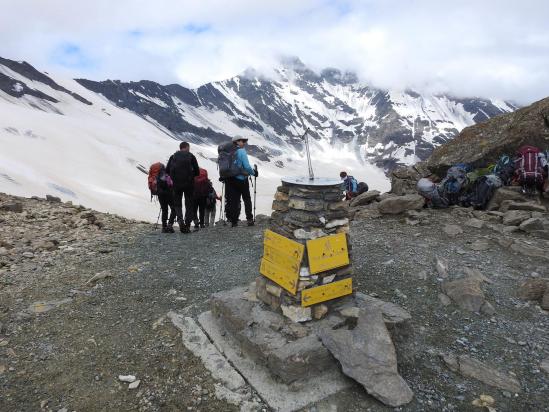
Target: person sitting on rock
350 185
431 193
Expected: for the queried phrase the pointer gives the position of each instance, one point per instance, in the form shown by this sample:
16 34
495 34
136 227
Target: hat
237 138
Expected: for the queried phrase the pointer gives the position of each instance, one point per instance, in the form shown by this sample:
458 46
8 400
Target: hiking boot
165 229
207 224
184 228
196 228
234 224
202 226
169 229
251 223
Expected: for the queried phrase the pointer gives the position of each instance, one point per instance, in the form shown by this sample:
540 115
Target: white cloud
496 48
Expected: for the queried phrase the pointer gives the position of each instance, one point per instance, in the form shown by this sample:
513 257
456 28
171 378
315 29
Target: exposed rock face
367 355
487 141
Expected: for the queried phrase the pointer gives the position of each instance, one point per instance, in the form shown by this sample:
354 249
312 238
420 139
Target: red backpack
201 183
154 170
528 168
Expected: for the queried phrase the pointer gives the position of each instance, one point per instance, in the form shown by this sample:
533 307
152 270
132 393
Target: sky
485 48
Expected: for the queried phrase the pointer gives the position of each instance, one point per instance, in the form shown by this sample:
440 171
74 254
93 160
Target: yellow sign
326 292
328 252
281 260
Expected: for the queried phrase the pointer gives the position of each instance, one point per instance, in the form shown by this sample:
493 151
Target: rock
53 199
476 223
473 368
367 214
441 266
452 230
515 217
531 225
126 378
480 245
98 276
444 299
309 235
297 313
367 355
281 196
527 206
502 194
335 223
365 198
527 249
28 255
134 384
466 293
15 207
532 289
392 313
487 309
544 365
319 311
273 289
399 204
545 300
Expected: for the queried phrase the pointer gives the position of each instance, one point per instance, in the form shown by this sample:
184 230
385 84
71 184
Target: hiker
237 186
161 186
211 203
200 194
432 194
350 185
182 168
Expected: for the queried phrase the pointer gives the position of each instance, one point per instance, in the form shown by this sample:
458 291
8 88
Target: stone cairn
303 213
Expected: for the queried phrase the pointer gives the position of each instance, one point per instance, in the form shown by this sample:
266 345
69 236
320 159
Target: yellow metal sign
328 252
326 292
281 260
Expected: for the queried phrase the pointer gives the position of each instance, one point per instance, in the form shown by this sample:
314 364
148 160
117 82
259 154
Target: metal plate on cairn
317 181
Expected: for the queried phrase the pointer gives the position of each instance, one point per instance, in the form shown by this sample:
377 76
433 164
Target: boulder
366 214
452 230
531 225
532 289
529 206
502 194
365 198
466 293
367 355
16 207
398 204
474 222
486 141
53 199
476 369
545 300
515 217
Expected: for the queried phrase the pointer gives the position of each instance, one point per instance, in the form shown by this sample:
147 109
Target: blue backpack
454 183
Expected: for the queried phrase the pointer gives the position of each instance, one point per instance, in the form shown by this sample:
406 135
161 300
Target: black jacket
182 168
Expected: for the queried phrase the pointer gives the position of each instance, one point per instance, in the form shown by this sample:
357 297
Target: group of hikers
467 187
182 178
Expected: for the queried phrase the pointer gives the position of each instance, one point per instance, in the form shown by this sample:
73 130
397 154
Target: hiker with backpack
183 168
211 205
161 185
200 194
350 185
234 170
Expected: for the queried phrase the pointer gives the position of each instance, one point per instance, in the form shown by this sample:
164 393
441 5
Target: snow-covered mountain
90 141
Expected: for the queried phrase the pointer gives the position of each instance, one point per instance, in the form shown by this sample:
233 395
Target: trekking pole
255 188
157 219
222 202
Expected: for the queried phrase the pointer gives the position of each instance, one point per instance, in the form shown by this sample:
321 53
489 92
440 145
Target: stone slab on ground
279 396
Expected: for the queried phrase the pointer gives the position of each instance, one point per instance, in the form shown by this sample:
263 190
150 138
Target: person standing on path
183 168
238 186
211 203
200 194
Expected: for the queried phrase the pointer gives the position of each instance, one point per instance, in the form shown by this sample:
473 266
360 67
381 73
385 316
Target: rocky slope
84 299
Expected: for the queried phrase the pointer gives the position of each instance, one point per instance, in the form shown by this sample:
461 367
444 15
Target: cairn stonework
306 264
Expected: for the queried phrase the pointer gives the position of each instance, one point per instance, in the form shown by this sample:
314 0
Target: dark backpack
181 169
454 183
362 187
482 191
226 161
164 183
211 198
505 169
529 169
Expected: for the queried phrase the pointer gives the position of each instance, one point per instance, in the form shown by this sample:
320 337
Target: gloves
256 173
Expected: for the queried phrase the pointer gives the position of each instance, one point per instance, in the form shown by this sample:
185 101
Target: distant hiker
432 194
183 167
211 203
161 185
234 169
350 185
200 194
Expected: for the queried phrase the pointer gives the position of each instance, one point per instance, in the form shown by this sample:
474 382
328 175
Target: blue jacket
351 184
242 162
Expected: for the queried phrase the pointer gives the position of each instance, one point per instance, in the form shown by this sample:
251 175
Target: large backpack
362 187
454 183
226 161
482 191
529 168
211 198
505 169
201 184
152 179
181 169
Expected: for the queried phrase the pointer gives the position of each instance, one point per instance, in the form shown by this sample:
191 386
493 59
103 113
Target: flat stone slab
279 396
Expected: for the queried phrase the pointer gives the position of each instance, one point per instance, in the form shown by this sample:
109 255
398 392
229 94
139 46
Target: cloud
497 48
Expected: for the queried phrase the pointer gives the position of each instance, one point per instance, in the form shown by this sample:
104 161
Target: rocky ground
84 298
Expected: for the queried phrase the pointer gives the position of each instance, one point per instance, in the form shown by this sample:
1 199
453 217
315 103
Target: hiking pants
234 190
178 193
198 212
166 200
209 218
